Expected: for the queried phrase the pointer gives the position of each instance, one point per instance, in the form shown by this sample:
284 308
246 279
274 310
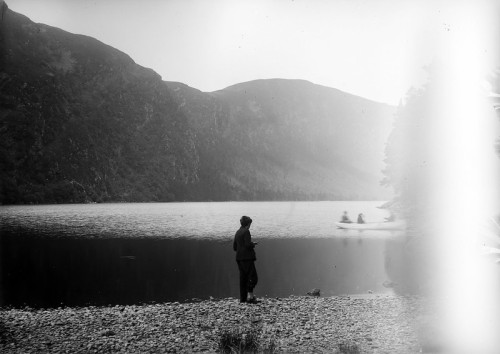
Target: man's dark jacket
243 245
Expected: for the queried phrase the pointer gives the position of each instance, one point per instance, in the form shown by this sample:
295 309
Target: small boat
388 225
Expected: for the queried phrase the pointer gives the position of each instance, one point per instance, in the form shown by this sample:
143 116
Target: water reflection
47 272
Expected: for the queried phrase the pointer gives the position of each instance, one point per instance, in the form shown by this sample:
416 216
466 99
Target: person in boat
345 218
361 218
245 257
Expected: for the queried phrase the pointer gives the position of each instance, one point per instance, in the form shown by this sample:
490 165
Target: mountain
289 139
81 122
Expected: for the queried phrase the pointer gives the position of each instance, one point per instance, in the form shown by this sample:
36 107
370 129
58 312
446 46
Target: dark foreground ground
363 324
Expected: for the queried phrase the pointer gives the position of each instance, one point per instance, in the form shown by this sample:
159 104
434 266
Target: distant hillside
288 139
81 122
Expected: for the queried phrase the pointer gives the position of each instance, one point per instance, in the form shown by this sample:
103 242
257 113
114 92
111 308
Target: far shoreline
196 201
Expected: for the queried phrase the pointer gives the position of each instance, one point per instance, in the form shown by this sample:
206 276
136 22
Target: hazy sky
373 48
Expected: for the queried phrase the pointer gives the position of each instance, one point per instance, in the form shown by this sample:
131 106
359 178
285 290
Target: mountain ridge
277 79
80 121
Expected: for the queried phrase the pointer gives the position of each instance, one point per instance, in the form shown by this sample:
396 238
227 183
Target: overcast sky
376 49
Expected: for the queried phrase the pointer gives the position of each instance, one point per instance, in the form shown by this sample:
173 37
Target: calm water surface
136 253
217 220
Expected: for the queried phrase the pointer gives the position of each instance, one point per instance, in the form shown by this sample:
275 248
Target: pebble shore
296 324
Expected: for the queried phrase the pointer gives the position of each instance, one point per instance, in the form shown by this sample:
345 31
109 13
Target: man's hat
245 220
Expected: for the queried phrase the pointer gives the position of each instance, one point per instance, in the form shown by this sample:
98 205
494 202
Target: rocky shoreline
301 324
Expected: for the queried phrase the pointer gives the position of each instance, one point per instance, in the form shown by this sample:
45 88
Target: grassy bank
371 324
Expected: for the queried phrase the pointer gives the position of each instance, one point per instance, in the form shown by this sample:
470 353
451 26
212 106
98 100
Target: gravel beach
301 324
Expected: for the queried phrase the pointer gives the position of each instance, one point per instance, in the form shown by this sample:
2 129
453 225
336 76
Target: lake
129 253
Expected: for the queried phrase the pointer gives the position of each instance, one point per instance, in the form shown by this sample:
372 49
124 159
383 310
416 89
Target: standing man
245 257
